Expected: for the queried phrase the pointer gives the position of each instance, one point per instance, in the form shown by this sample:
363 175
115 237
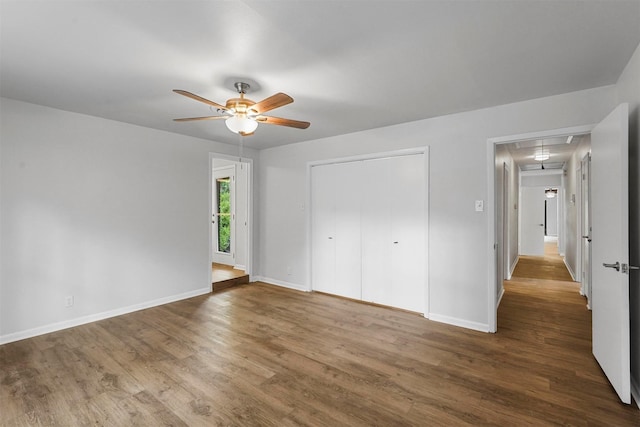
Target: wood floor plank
263 355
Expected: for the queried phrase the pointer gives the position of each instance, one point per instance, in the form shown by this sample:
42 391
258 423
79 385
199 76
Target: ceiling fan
242 115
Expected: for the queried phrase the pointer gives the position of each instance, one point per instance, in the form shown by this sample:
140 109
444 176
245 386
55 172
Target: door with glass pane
223 221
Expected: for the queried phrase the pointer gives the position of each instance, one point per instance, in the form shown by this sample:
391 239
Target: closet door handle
395 243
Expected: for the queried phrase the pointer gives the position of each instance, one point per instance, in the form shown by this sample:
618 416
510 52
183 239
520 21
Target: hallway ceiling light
541 156
551 192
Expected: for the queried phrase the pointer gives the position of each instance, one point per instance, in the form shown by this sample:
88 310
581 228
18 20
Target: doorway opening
230 240
515 163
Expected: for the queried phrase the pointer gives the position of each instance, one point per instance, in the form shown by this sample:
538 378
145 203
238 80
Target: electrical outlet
68 301
479 206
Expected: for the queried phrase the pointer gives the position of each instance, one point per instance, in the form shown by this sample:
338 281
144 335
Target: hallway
549 267
543 310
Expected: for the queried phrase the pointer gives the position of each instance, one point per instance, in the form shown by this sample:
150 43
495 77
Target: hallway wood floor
259 355
550 266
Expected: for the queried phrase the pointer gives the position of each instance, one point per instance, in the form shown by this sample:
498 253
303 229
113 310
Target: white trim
635 391
281 283
58 326
370 156
513 267
492 288
566 264
427 231
491 215
482 327
561 132
239 267
500 297
542 173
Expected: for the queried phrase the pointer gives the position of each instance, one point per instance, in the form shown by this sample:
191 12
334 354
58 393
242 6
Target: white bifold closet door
336 229
393 233
368 230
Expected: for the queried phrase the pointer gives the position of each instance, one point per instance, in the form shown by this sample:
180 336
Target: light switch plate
479 205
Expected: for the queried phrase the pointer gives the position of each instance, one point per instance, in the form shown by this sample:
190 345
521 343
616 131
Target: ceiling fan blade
274 101
199 98
190 119
283 122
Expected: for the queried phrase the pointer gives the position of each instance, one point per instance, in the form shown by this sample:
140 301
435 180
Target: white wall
541 179
628 90
507 253
572 207
114 214
459 242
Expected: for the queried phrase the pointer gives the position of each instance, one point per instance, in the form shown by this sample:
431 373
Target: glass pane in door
223 199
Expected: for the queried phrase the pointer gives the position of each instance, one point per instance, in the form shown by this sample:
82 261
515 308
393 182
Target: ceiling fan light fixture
241 124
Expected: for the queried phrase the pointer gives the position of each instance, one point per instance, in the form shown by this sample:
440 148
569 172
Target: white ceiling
349 65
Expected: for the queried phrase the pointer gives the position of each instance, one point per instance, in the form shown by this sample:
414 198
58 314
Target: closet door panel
348 256
407 201
376 232
323 229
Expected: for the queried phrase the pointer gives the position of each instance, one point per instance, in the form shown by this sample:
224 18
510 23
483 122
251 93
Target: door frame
506 226
585 211
250 197
370 156
492 218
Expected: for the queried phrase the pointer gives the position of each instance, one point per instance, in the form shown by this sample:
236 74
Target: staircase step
217 286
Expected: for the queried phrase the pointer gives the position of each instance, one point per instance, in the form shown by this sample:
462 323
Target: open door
610 248
224 215
585 223
532 221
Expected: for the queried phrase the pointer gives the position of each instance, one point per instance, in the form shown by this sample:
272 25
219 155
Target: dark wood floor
259 355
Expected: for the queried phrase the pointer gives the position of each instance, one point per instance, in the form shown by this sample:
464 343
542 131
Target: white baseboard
58 326
512 267
240 267
500 297
573 276
635 391
281 283
482 327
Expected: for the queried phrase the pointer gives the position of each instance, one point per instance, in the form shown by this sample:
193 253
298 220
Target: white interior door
323 249
368 237
224 215
407 198
532 221
393 234
610 248
585 222
348 260
376 233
